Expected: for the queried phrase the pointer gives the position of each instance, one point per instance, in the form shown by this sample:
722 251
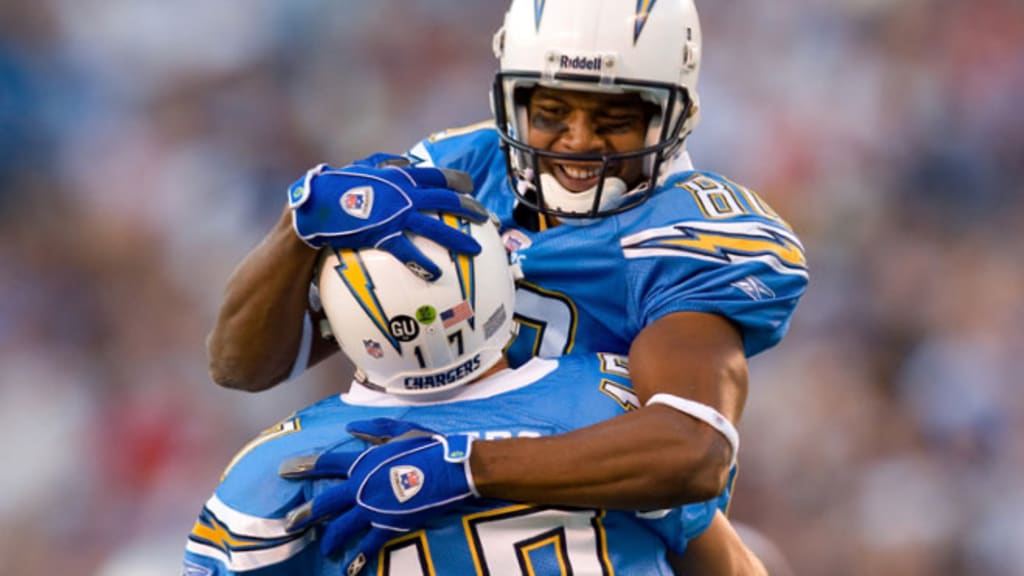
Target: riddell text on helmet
580 63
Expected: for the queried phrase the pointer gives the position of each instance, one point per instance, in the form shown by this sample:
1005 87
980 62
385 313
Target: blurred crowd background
145 147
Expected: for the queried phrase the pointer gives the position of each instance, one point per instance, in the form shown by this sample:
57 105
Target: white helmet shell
615 46
409 336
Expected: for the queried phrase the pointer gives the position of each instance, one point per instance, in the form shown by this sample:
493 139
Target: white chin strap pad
556 197
705 414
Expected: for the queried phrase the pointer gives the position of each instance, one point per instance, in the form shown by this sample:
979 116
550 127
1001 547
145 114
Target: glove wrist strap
457 449
469 478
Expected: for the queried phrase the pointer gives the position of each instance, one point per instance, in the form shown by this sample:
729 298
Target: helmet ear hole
498 43
691 53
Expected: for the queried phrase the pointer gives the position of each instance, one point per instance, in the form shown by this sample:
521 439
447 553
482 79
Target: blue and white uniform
241 527
700 243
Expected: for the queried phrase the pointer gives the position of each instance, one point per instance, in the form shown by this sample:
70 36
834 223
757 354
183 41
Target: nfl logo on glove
358 202
406 482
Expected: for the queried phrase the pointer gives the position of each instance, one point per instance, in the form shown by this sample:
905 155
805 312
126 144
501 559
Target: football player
434 353
624 247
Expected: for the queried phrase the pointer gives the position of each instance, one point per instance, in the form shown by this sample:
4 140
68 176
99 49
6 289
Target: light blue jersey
241 527
700 243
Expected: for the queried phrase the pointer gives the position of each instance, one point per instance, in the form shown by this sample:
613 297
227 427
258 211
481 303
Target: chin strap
558 198
705 414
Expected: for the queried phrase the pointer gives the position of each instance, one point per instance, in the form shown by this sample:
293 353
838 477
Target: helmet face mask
408 336
604 47
611 195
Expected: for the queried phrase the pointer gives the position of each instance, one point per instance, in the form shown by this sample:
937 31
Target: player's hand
375 202
415 475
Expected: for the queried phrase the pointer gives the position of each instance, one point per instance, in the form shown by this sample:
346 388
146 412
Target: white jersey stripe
239 561
246 525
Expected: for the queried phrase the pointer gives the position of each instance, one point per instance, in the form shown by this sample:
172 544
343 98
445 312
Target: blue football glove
375 202
411 476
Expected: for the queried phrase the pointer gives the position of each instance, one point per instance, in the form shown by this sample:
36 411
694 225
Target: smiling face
575 122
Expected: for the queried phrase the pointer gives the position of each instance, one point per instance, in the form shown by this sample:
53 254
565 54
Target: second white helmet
409 336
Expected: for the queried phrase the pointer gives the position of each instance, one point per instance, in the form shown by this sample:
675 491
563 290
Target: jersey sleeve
733 257
678 526
226 541
241 527
469 149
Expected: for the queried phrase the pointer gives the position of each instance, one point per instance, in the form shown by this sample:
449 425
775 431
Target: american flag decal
456 314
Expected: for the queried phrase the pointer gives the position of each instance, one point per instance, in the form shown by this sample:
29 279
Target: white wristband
705 414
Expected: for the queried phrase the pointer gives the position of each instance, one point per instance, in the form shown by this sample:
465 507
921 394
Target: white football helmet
649 47
409 336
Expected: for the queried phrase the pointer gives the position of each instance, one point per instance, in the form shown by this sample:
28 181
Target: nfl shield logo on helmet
373 348
406 482
358 202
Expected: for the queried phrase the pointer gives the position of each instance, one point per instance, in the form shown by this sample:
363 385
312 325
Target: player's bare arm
256 337
654 457
262 334
719 550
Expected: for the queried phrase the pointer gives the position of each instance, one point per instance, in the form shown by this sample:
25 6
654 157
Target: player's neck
501 365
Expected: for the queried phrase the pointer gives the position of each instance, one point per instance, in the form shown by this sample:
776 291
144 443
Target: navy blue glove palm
375 202
412 476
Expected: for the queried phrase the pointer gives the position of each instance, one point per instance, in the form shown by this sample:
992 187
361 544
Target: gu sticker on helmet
426 314
404 328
